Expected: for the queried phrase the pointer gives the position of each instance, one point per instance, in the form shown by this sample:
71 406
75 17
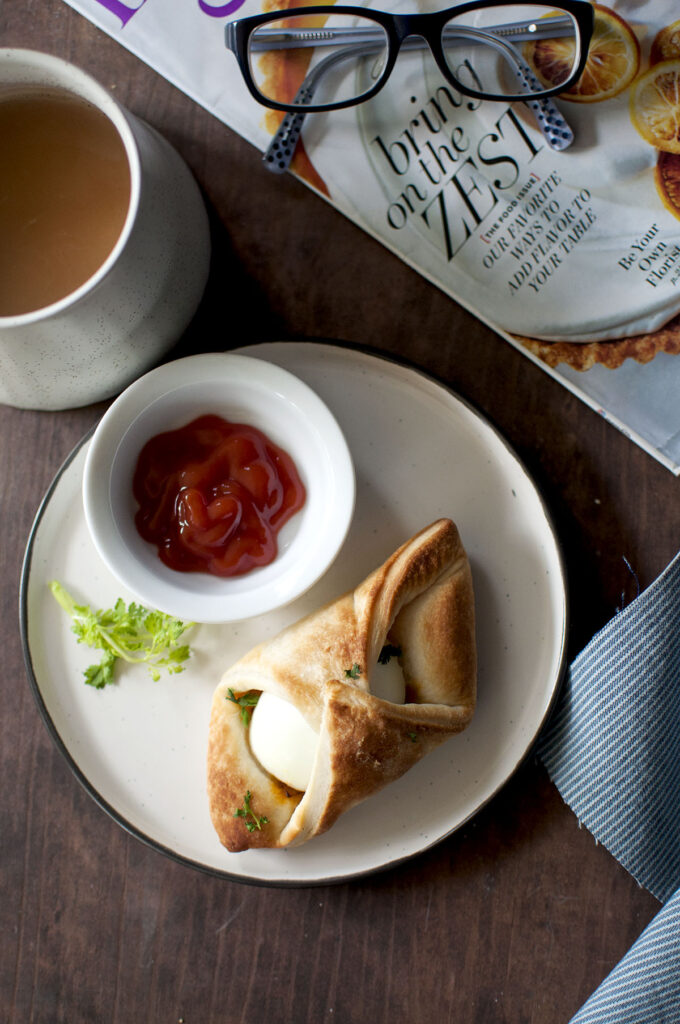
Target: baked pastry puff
419 606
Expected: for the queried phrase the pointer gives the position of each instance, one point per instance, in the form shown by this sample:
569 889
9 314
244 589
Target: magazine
569 252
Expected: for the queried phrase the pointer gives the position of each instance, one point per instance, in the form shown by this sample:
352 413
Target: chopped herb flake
250 819
389 651
245 701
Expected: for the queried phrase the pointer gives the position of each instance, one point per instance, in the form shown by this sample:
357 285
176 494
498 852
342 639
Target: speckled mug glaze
121 321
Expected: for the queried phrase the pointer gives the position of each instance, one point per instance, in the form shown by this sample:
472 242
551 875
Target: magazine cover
557 222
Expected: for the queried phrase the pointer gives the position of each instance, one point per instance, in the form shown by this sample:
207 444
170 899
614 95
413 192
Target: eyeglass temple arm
281 149
552 124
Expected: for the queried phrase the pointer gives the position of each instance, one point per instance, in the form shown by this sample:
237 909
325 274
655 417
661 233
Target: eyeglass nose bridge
427 26
419 25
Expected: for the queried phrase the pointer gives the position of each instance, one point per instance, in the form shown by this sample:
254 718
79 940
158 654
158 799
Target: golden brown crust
422 599
610 354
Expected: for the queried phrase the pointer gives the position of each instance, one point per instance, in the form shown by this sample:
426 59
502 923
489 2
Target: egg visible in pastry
328 732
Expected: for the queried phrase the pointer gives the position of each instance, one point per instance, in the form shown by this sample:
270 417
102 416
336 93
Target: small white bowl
242 389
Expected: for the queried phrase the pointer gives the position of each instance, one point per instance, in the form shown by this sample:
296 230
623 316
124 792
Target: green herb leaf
127 632
101 675
389 651
354 672
251 820
413 737
245 701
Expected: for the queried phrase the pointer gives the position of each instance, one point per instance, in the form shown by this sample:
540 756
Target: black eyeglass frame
399 27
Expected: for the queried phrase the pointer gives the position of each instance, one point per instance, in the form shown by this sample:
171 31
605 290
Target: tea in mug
64 196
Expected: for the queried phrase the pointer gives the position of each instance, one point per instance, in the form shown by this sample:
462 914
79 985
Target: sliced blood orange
668 181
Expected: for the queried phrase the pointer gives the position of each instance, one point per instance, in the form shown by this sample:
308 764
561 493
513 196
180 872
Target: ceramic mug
92 342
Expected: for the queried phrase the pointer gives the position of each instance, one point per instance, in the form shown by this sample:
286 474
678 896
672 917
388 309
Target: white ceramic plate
420 452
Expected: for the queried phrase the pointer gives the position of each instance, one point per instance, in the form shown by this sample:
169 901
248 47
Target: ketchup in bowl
213 495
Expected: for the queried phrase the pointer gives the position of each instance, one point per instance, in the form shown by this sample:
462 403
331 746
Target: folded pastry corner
418 609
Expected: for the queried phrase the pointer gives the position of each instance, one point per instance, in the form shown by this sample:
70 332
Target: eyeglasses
339 56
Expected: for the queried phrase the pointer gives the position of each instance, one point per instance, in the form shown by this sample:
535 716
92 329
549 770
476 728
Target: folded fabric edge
644 987
591 830
611 745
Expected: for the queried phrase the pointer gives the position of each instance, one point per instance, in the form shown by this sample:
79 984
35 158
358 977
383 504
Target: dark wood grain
516 918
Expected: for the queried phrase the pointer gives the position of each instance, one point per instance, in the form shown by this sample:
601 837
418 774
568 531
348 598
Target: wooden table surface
517 917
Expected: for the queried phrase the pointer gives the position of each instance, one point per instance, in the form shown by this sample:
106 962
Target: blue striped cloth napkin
612 748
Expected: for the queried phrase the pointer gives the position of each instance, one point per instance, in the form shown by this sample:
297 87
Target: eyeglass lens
508 50
339 58
511 49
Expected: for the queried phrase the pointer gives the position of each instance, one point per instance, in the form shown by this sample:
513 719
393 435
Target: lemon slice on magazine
666 44
655 106
612 64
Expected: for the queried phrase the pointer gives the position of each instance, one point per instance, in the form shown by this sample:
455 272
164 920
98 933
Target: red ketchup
213 495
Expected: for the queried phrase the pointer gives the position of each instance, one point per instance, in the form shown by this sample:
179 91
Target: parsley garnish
250 819
245 701
389 651
129 632
413 737
354 672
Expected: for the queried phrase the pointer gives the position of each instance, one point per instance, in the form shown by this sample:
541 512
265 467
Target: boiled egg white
283 741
